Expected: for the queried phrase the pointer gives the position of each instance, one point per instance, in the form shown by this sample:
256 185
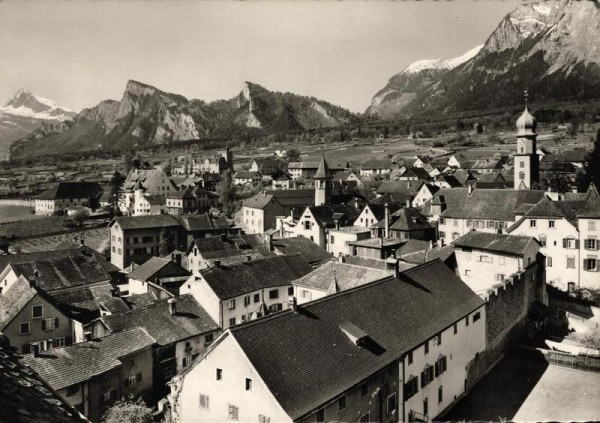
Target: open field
522 390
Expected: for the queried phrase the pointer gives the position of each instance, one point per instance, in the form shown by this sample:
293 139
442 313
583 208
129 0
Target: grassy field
10 213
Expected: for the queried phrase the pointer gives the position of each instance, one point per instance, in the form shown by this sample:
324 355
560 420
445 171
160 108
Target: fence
590 363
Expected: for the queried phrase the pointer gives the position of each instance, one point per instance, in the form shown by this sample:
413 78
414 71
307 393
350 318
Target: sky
80 53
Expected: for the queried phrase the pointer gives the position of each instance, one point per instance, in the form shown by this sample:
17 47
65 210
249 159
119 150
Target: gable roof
323 171
420 304
345 276
146 222
232 281
326 215
591 206
417 172
408 219
189 320
68 190
306 248
378 210
13 300
59 269
26 398
157 266
66 366
399 187
498 243
429 254
491 204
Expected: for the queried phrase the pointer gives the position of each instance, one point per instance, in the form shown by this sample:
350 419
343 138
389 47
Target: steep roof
378 210
68 190
323 171
417 172
498 243
492 204
326 215
309 251
399 187
286 197
182 193
189 320
420 304
13 300
591 207
429 254
157 266
26 398
408 219
202 222
146 222
59 269
66 366
231 281
346 276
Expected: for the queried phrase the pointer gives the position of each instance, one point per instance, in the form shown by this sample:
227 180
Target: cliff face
146 115
549 48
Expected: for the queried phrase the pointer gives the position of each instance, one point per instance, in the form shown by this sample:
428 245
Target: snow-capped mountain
25 112
549 48
403 87
26 104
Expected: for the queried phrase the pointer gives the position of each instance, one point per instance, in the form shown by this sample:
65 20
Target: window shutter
585 264
577 244
422 379
43 324
564 243
56 322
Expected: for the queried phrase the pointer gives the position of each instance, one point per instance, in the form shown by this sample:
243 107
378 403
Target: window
263 419
532 223
232 321
548 261
231 304
439 339
522 176
591 244
442 221
542 239
219 374
364 389
410 357
426 346
426 376
486 259
248 384
321 415
37 311
440 394
590 264
467 272
467 321
521 164
476 316
551 224
24 328
291 291
59 342
307 225
455 328
49 324
441 365
442 234
233 412
247 300
203 401
208 338
130 381
332 241
391 403
256 298
186 360
411 387
425 407
274 294
342 403
571 243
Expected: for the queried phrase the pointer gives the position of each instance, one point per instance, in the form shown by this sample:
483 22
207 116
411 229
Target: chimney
408 202
387 219
172 306
35 349
470 188
430 244
217 263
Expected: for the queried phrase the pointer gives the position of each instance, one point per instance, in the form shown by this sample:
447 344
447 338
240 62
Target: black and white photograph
299 211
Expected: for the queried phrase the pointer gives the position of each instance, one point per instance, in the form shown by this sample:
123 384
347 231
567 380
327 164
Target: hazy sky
79 53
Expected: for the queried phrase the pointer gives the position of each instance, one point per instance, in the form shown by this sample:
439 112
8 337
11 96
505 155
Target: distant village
329 293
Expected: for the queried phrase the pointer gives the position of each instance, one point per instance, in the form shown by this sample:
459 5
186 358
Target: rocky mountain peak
26 104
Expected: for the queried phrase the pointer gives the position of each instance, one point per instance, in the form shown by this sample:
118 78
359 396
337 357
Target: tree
80 216
591 169
128 411
116 191
227 193
293 154
164 242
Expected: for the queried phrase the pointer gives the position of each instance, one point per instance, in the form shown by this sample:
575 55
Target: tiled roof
399 187
155 200
58 269
492 204
591 207
544 208
309 251
499 243
189 320
157 266
66 366
345 276
182 193
411 246
13 300
378 210
427 255
408 219
419 305
327 215
25 397
146 222
567 156
202 222
417 172
67 190
378 242
231 281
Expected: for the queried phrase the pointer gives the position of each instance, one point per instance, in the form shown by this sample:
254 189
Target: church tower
323 183
526 160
